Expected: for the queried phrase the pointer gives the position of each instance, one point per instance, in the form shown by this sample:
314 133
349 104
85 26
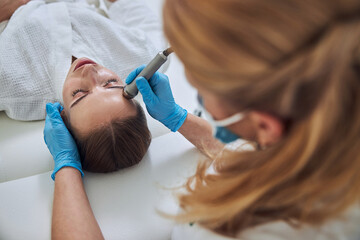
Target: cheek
215 107
217 110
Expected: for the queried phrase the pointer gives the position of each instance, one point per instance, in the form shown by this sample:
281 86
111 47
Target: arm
8 7
72 215
199 132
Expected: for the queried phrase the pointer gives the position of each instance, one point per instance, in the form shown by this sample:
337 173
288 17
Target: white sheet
39 40
123 202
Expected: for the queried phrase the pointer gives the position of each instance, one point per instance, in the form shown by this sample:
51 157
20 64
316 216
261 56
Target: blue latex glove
158 99
59 140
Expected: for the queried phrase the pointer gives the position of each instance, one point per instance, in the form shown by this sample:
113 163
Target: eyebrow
79 99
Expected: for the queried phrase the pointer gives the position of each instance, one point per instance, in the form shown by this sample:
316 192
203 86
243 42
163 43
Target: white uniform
37 45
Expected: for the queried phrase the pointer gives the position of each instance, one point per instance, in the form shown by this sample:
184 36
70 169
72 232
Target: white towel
37 44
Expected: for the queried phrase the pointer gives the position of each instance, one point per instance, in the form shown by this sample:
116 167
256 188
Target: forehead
99 109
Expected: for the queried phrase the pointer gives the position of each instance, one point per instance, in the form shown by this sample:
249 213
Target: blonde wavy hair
298 60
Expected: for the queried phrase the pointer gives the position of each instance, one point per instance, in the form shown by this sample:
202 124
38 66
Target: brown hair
298 60
120 144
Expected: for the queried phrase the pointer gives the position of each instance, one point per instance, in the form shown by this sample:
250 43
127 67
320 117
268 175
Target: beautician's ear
269 129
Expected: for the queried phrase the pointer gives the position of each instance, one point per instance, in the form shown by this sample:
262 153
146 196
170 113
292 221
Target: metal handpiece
131 90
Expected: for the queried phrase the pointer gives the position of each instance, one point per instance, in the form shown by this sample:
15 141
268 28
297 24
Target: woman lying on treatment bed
41 50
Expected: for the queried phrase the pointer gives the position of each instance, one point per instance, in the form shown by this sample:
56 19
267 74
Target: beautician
284 75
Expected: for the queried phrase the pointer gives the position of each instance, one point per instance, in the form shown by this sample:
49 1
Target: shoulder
36 14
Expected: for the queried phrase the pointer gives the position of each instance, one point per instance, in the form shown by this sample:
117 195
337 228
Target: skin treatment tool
130 90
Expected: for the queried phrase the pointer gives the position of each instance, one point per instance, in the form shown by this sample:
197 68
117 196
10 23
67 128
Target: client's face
93 96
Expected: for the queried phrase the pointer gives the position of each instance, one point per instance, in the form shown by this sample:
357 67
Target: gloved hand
158 99
59 140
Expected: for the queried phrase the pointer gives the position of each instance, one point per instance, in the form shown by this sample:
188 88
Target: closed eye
122 87
77 91
110 81
113 81
82 97
106 84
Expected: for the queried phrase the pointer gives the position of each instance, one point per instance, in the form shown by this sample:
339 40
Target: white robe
38 42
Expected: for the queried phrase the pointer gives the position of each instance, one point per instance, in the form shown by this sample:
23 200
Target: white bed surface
123 202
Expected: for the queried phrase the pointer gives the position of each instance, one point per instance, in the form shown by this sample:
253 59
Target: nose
90 73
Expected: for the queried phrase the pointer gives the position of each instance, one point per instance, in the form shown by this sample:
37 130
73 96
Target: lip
83 62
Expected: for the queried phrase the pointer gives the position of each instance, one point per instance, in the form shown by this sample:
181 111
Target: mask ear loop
230 120
220 123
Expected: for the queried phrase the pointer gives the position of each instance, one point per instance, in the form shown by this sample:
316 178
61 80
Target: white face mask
220 131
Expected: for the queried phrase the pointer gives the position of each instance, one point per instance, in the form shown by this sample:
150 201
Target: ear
64 118
63 115
269 129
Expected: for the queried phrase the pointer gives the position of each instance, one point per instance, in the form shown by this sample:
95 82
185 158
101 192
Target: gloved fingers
58 106
161 86
53 117
154 80
47 127
158 79
53 110
145 90
133 74
50 109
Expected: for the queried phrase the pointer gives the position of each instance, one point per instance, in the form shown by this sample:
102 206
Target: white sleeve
35 61
3 25
136 14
